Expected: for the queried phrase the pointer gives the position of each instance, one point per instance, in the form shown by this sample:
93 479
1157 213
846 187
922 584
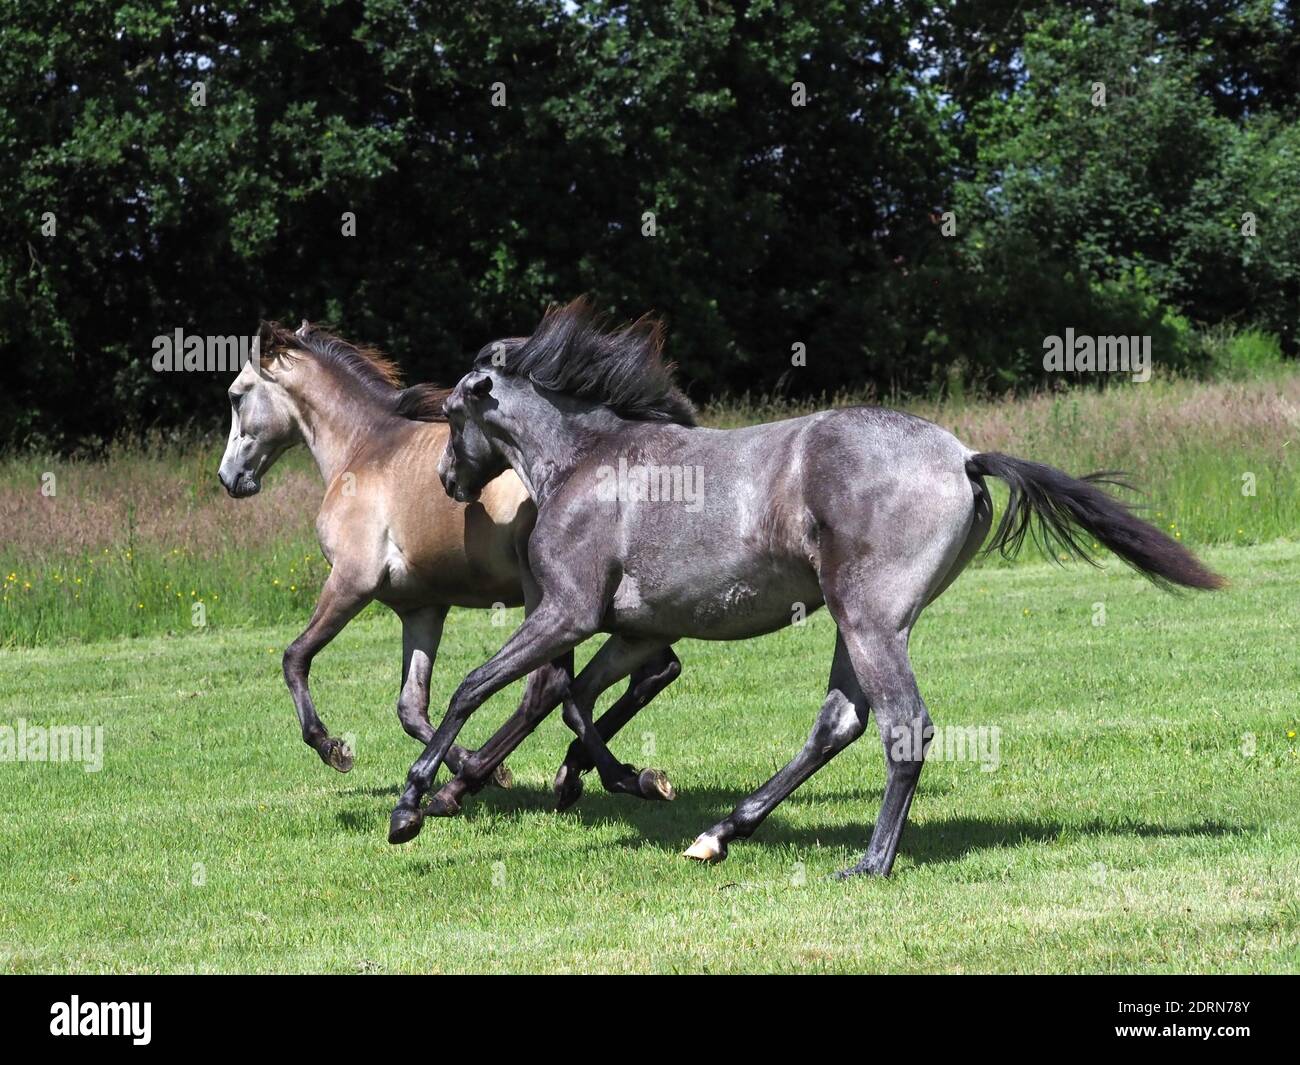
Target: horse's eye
235 397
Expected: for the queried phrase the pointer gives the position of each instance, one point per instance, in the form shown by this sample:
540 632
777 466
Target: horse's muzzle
455 489
241 487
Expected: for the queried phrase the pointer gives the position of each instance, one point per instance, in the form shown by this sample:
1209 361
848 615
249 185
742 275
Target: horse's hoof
568 787
335 753
654 784
442 805
404 825
502 777
861 869
707 848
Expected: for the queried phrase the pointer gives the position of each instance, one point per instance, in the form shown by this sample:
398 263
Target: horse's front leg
421 635
542 694
340 601
545 635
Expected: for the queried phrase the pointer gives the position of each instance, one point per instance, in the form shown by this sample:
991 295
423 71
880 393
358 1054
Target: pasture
1142 814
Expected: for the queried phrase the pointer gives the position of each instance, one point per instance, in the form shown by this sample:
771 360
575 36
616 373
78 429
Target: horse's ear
303 329
261 345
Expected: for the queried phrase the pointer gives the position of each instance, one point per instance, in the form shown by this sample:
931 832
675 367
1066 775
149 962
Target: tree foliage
197 163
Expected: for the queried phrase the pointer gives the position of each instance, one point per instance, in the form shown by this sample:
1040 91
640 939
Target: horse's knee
294 663
413 710
571 714
547 690
464 702
839 723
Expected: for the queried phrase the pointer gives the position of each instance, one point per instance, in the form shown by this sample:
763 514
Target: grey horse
651 530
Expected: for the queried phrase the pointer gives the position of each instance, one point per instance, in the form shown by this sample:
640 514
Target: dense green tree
198 161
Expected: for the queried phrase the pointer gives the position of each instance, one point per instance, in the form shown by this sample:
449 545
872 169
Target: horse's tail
1062 505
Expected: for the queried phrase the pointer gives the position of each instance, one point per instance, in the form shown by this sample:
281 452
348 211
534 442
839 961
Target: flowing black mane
573 352
377 374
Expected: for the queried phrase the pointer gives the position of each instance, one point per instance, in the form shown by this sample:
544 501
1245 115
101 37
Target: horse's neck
545 444
335 421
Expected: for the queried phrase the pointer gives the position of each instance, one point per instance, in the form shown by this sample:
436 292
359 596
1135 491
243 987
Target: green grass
1124 830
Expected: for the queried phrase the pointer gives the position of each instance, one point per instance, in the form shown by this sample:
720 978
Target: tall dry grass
147 541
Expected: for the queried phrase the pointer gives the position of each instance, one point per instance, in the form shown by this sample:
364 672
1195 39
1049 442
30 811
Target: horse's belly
733 609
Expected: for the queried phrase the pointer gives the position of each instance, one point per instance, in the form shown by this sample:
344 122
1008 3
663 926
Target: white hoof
706 849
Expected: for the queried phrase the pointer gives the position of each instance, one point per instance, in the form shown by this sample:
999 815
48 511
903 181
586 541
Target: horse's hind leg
880 658
842 720
339 603
875 598
875 593
615 660
643 686
421 634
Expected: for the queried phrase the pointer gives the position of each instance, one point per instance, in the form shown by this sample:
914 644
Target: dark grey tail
1062 505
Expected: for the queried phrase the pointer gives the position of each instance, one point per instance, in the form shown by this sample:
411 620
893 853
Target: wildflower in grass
1290 733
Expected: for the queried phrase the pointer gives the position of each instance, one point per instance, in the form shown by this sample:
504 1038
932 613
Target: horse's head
472 457
263 426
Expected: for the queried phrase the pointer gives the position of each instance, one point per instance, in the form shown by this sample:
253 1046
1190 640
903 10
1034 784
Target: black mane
572 352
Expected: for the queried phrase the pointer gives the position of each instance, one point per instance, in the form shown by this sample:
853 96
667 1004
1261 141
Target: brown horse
386 528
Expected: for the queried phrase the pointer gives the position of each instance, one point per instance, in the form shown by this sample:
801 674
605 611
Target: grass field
1143 814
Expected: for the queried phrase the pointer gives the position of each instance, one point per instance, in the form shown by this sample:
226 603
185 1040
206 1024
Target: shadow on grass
672 826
